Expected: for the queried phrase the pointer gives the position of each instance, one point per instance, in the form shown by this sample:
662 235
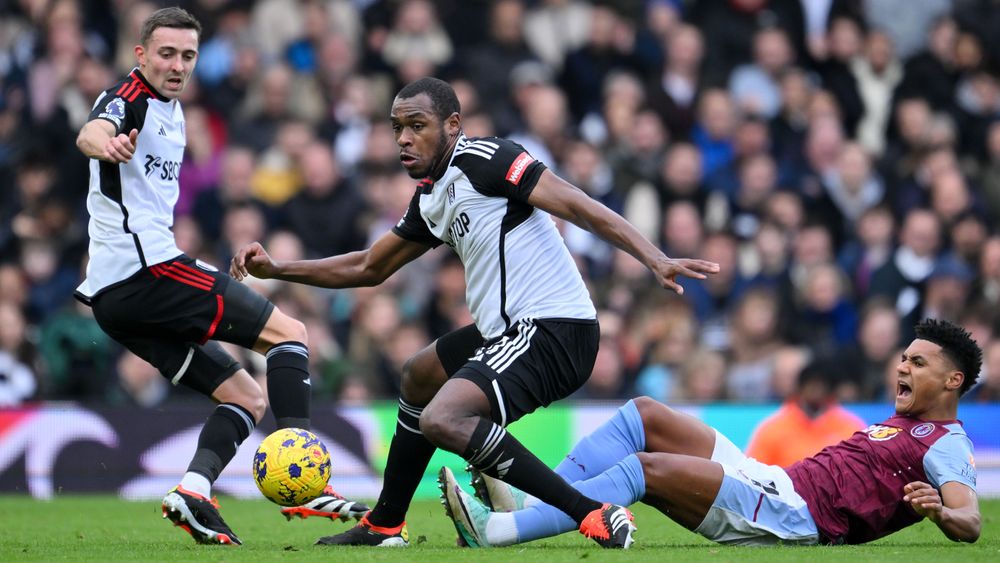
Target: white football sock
197 483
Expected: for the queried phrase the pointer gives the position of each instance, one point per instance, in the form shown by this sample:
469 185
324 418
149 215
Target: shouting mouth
903 390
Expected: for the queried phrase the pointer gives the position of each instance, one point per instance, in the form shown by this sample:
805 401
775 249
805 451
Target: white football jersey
131 205
516 264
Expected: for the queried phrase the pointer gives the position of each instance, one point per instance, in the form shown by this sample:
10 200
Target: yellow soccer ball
291 467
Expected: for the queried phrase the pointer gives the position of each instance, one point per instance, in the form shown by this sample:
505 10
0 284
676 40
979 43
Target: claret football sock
221 436
409 455
288 384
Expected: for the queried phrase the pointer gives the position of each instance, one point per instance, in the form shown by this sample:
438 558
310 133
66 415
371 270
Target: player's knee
254 402
295 331
657 469
655 414
438 426
420 382
645 406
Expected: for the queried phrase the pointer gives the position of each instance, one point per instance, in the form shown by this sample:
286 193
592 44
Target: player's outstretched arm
97 139
354 269
955 509
562 199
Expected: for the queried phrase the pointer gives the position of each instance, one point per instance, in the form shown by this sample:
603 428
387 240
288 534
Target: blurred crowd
839 158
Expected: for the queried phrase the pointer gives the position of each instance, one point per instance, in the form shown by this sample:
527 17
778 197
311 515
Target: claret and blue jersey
854 489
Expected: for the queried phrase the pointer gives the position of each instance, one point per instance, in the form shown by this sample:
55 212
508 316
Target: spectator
807 422
871 245
417 34
903 277
852 188
987 389
754 87
825 319
609 46
877 73
325 213
673 93
553 28
878 340
490 65
930 73
753 341
234 188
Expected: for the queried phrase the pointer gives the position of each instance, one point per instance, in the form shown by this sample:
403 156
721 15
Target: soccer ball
291 467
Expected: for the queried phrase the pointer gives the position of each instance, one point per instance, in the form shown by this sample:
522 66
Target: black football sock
288 384
409 455
222 434
498 454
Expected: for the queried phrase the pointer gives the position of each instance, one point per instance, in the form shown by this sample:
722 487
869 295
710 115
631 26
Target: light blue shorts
757 504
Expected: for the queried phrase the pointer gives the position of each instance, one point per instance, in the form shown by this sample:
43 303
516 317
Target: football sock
622 484
409 455
288 384
498 454
196 483
221 436
612 442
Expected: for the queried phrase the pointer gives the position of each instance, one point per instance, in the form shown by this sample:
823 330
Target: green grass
102 528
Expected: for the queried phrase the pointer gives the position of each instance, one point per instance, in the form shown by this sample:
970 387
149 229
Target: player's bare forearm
955 508
568 202
97 139
960 524
93 137
334 272
353 269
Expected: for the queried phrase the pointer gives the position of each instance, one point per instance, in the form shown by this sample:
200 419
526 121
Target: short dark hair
442 95
957 345
174 17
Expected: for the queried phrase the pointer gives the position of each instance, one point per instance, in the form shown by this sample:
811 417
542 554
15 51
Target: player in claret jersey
917 464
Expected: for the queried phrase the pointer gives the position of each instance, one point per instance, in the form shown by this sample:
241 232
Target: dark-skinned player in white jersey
166 307
535 336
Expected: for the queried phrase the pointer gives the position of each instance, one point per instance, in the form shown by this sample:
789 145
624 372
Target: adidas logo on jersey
163 132
484 149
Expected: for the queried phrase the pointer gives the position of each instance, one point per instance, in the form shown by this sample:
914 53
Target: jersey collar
138 75
461 140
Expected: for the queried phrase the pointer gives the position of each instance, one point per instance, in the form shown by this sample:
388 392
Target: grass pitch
103 528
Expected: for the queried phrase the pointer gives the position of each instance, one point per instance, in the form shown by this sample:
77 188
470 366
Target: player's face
168 59
422 137
923 377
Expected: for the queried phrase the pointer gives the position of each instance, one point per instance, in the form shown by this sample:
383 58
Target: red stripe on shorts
220 306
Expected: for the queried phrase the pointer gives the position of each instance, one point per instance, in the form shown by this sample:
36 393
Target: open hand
667 271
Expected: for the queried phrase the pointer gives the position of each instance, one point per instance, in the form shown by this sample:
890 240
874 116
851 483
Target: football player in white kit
535 336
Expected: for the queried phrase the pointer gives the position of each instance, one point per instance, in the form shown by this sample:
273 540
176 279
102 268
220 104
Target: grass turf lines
103 528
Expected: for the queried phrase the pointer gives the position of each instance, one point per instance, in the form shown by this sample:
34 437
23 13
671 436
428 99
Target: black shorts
170 313
535 363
